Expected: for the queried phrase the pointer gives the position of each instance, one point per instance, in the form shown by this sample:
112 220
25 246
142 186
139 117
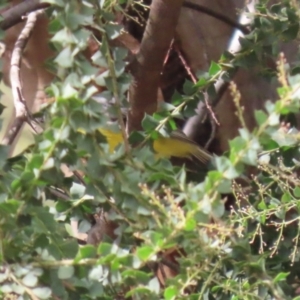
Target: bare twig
168 53
79 177
22 114
186 66
58 193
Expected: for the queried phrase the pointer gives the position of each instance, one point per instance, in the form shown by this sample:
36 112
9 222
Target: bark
147 66
14 15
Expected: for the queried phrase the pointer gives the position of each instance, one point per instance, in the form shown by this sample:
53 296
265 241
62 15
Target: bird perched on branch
176 145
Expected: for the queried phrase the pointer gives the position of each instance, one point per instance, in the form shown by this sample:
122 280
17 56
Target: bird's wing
198 152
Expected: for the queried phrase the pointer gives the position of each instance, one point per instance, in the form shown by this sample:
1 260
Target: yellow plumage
113 138
177 145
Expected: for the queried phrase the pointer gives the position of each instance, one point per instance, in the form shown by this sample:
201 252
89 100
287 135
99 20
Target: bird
176 145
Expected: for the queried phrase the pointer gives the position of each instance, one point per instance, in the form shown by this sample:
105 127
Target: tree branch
16 87
14 15
221 17
148 63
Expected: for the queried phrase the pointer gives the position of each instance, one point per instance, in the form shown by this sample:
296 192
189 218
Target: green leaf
164 106
62 206
68 248
9 207
100 79
190 224
120 53
96 290
154 285
214 68
113 30
30 279
49 163
77 190
65 58
218 209
205 205
141 210
42 292
63 37
297 191
274 119
149 123
261 117
87 251
264 159
286 197
224 186
104 249
144 253
96 273
281 276
189 88
190 109
226 167
262 205
99 60
284 139
6 288
143 277
177 98
84 226
171 292
65 272
201 82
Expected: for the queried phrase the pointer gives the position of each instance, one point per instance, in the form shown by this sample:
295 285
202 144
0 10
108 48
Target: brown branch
147 65
14 15
219 16
22 113
58 193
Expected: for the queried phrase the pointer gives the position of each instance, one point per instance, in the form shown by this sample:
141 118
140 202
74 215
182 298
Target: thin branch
219 16
22 113
79 177
27 289
13 15
147 66
58 193
186 66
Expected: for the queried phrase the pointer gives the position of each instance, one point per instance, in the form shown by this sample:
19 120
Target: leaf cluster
251 252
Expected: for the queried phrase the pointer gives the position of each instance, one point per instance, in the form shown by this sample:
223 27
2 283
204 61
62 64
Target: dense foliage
250 252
